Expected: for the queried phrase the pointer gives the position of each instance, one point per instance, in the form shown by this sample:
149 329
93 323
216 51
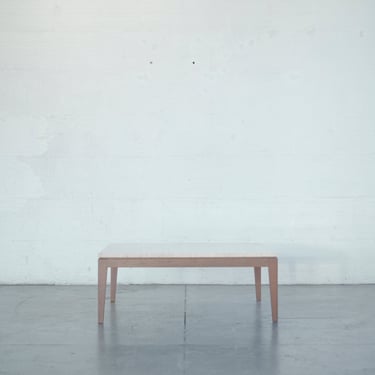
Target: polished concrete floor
178 329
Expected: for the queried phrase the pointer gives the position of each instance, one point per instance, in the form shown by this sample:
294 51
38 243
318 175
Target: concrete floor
179 329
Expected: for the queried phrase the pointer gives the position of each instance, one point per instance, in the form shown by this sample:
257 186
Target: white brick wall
269 137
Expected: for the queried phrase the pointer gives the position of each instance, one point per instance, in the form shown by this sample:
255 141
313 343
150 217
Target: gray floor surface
193 329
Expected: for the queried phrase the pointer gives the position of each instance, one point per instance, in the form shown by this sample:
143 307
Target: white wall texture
110 133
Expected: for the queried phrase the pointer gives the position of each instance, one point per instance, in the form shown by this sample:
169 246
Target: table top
193 249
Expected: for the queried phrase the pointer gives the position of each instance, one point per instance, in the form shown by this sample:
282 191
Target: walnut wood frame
257 262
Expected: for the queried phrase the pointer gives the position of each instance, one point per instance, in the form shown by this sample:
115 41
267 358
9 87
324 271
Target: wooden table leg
102 284
258 282
273 280
113 283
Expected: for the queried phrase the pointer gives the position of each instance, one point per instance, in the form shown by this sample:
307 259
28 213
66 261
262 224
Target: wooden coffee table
185 255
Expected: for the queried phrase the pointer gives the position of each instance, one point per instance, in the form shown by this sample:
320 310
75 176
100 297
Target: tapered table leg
102 284
113 283
273 279
258 282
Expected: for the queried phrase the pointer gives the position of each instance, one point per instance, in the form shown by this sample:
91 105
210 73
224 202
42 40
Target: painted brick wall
194 120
